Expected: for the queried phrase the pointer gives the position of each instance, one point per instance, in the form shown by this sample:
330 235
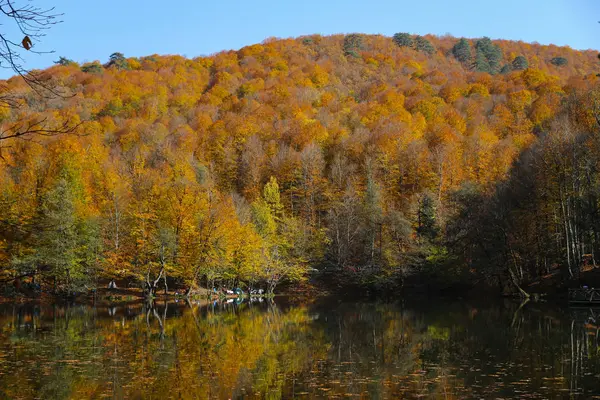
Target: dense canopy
343 153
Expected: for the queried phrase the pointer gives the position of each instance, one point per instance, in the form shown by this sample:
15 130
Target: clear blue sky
92 30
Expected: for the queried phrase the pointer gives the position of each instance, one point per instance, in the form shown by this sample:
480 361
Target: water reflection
261 349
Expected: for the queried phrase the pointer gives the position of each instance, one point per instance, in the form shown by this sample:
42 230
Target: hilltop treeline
360 157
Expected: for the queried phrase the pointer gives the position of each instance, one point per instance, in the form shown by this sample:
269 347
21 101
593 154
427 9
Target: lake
425 348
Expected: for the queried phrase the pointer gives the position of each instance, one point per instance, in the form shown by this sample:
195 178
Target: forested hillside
365 159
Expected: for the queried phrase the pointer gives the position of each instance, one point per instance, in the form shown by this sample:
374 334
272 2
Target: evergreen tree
118 61
520 63
353 43
64 61
92 68
426 223
424 45
506 68
495 59
403 39
488 56
559 61
57 238
462 51
66 243
481 62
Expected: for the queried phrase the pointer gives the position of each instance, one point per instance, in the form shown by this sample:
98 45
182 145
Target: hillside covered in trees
356 159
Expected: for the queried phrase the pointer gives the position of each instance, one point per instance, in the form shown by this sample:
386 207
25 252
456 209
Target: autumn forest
351 161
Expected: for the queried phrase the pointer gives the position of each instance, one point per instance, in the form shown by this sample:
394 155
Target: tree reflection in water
191 350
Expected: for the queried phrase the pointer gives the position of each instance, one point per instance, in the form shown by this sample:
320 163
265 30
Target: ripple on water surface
276 350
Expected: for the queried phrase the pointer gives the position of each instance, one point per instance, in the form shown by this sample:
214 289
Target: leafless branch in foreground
32 23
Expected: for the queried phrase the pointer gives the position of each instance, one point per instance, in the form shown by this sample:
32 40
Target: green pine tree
559 61
488 56
66 244
426 221
424 45
506 68
481 62
118 61
64 61
92 68
353 44
520 63
462 51
403 39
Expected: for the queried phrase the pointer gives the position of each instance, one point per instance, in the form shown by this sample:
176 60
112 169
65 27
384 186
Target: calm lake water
432 349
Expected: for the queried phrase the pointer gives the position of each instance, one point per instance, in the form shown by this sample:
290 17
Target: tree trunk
271 287
523 293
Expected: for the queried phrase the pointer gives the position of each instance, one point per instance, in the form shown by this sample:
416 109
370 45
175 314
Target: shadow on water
265 349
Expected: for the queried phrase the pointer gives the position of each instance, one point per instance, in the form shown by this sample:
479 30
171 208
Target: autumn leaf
27 44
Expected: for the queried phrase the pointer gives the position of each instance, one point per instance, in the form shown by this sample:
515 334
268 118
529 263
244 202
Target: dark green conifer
353 44
507 68
520 63
488 56
559 61
462 51
403 39
424 45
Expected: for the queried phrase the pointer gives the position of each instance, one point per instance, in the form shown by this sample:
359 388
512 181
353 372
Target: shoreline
311 294
121 296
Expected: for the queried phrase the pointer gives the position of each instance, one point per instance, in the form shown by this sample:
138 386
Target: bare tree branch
36 127
32 22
